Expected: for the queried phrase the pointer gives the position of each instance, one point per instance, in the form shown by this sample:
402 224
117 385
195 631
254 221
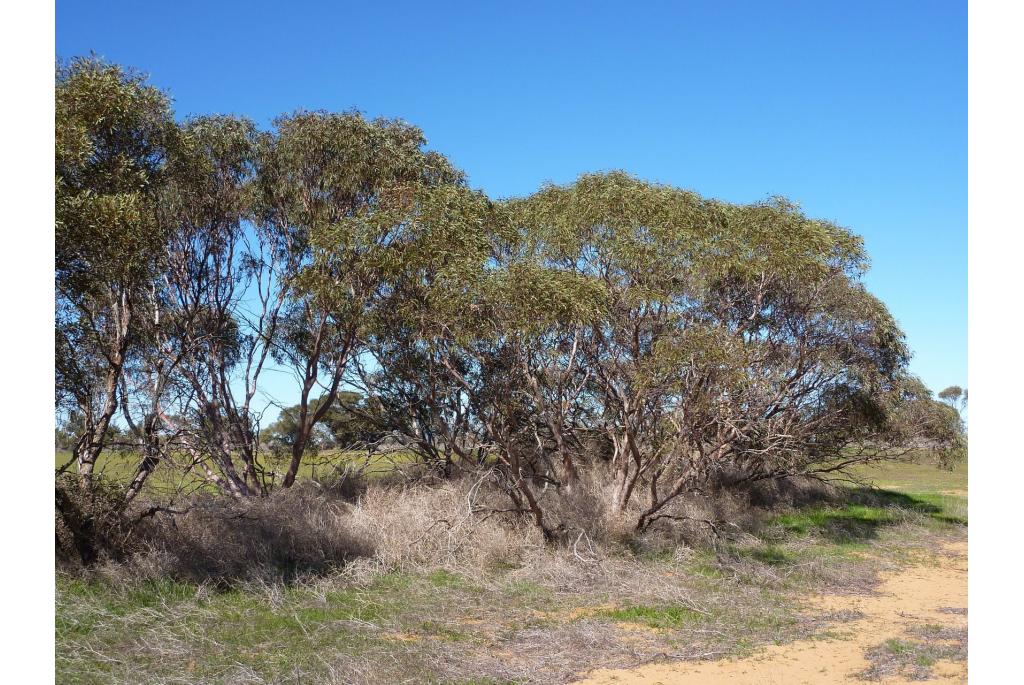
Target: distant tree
952 395
68 430
351 420
914 417
281 435
343 424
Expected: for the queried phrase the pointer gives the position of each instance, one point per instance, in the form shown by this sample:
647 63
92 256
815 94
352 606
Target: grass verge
535 616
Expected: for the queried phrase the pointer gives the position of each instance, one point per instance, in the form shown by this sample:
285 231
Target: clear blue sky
856 110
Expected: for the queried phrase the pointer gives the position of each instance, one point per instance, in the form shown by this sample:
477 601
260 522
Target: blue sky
856 110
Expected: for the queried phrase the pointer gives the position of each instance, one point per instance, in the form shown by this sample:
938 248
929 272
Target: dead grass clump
467 524
292 532
702 521
590 509
90 526
449 524
442 580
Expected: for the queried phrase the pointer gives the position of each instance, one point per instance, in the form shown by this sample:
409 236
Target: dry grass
428 582
913 658
444 525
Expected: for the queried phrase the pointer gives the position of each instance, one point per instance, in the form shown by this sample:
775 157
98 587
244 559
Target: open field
120 467
552 616
918 476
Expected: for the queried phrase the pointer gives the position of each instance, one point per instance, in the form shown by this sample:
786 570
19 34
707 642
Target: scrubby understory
414 583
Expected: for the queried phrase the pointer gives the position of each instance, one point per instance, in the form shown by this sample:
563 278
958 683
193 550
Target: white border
26 346
995 262
995 291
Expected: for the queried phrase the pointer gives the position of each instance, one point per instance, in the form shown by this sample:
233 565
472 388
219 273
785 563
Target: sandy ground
911 597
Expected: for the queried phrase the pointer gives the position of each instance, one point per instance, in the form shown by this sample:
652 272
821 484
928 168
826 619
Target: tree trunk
298 447
145 469
88 450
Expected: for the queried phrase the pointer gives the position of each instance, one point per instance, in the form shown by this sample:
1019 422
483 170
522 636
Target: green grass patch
527 590
918 475
446 579
855 523
841 525
897 647
769 554
706 566
913 659
653 617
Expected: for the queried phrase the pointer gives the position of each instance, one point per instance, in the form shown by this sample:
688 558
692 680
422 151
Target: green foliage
113 135
951 394
738 329
113 132
686 341
343 424
954 395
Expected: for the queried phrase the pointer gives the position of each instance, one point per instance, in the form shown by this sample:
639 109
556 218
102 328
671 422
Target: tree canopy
665 341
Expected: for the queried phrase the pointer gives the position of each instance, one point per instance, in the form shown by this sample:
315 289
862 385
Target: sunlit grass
749 593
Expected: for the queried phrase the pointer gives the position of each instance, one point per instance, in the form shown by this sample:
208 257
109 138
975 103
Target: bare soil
931 593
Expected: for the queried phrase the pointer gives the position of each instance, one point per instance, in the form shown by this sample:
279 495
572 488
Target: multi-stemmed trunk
93 439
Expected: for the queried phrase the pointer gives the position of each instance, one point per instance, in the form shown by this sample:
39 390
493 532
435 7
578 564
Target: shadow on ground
863 514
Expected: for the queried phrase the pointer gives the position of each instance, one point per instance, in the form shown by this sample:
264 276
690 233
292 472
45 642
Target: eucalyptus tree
462 304
319 172
424 258
689 342
916 419
631 241
954 395
665 342
113 131
734 341
533 390
221 299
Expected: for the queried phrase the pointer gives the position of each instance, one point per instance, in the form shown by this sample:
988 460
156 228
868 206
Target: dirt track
911 597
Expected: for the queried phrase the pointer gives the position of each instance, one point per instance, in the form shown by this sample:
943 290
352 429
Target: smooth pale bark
92 442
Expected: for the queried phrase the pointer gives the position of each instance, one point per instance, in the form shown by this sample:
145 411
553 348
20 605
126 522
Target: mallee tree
609 336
